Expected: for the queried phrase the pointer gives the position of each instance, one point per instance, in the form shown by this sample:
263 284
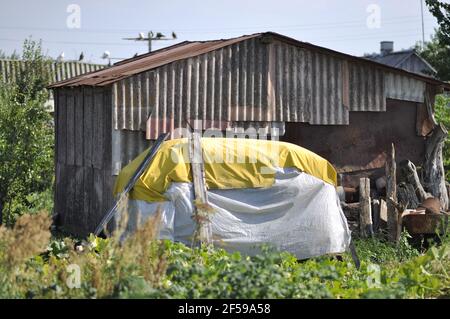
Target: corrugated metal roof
393 59
145 62
188 49
408 60
10 69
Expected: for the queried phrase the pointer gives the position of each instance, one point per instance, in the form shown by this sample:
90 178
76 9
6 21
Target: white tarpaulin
300 214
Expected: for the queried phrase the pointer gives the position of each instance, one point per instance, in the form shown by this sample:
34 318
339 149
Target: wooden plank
98 130
88 182
107 194
70 133
69 213
59 192
56 117
87 126
97 198
107 126
391 193
79 217
366 228
61 146
79 127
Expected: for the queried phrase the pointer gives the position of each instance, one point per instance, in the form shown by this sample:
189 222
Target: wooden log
409 174
376 214
406 193
433 176
366 227
391 192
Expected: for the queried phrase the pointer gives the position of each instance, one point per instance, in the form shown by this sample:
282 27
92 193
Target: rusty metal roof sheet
187 49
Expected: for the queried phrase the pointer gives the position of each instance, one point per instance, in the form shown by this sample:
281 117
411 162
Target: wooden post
365 219
204 230
391 193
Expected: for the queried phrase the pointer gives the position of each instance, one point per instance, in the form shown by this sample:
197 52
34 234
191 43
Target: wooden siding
83 158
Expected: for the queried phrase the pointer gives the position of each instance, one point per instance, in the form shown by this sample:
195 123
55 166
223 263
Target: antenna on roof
152 37
423 26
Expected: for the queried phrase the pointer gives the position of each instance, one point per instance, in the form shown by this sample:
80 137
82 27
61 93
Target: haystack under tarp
276 193
229 164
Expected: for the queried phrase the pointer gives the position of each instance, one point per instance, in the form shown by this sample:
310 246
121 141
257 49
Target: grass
32 265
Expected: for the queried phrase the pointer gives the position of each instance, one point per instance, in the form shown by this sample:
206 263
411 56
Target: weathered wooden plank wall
83 157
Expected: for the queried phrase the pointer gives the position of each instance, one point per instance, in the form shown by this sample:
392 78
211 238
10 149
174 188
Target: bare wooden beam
391 193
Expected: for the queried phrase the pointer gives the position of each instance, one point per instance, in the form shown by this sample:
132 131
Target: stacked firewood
417 197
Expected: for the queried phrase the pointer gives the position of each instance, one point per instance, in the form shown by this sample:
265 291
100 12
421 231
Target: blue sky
339 25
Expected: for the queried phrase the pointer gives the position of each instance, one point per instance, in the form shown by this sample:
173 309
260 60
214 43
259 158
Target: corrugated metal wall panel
220 86
326 106
308 86
366 88
126 145
232 84
405 88
255 81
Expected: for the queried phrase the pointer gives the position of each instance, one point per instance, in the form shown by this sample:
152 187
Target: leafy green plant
26 135
33 266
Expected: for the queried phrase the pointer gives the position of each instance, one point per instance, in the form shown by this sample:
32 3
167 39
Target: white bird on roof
106 55
60 56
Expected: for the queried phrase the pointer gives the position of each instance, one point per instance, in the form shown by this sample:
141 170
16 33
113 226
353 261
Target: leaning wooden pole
202 210
391 193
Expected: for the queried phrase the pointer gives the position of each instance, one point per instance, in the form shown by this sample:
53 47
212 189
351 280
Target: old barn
347 109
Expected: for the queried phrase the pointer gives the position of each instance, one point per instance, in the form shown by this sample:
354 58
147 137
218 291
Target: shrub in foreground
31 266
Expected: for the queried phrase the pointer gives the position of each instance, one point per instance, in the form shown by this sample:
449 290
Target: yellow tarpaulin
229 164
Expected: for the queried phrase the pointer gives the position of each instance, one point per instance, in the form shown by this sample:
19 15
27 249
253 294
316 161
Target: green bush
26 136
33 266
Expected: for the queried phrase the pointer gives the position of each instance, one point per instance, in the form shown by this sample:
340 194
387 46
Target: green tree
26 133
441 12
442 114
438 55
